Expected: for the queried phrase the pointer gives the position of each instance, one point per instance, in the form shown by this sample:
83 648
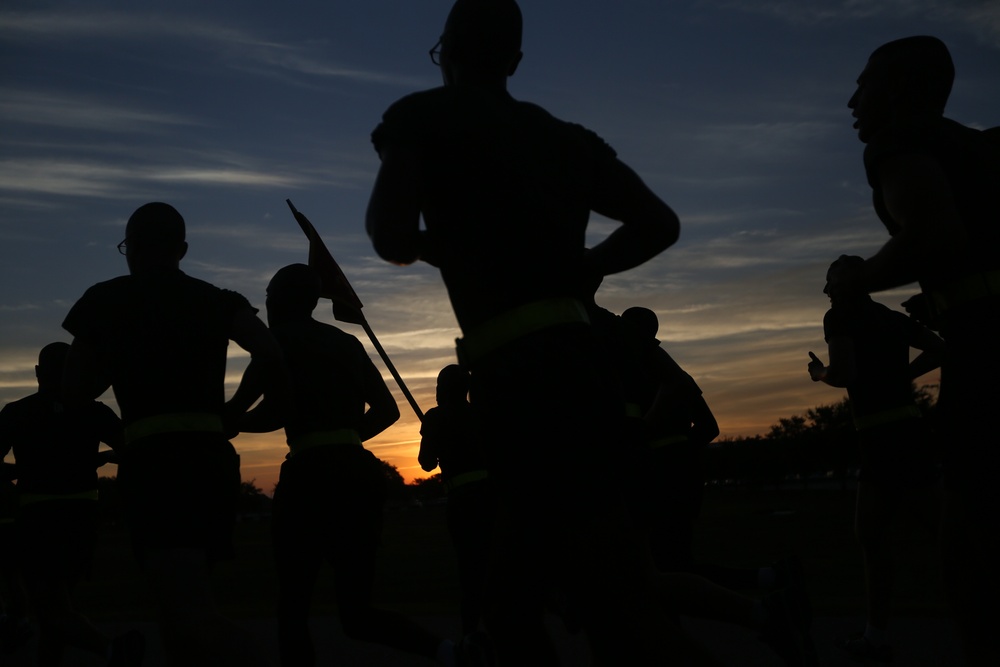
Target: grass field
740 527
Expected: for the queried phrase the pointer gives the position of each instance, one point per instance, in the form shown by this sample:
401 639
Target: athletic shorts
179 490
329 500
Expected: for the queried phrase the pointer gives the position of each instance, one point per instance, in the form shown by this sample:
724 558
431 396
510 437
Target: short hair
484 32
453 380
925 66
643 319
52 361
846 260
296 287
158 221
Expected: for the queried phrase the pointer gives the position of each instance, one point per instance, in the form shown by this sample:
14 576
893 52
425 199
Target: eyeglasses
435 53
122 246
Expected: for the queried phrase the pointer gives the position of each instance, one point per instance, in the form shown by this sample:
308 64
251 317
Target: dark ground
740 527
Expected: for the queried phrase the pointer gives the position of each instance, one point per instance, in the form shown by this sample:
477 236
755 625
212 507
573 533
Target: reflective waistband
465 478
517 322
666 441
31 498
340 436
887 417
174 422
967 288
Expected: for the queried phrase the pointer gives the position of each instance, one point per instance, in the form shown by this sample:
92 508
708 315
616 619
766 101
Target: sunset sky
734 112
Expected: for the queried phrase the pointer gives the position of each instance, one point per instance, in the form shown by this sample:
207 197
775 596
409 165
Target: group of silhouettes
570 443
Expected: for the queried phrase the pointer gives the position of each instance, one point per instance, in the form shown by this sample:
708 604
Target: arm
932 352
919 198
648 227
82 377
427 457
8 471
112 435
675 386
842 370
382 409
704 427
269 377
393 216
263 418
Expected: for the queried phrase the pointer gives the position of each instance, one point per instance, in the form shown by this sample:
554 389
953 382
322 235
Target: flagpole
337 288
392 369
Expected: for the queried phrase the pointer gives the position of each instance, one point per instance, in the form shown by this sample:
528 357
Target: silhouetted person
449 439
679 426
159 337
330 496
56 451
15 627
869 347
668 424
936 186
505 191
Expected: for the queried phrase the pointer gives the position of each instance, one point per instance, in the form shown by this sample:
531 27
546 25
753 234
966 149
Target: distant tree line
821 443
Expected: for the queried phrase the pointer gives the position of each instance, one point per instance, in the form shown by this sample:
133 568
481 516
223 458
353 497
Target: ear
182 250
514 63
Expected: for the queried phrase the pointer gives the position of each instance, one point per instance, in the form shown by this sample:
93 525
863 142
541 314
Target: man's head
452 384
905 77
292 293
643 319
481 41
154 237
51 362
841 263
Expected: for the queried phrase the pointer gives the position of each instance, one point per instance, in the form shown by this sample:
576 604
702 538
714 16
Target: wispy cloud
980 17
79 112
234 47
97 178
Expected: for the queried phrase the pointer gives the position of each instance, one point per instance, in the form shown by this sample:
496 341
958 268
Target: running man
449 439
505 191
331 491
159 338
869 349
936 187
56 451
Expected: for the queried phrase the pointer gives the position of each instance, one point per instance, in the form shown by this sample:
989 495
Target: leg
872 519
354 576
297 566
513 604
60 624
194 632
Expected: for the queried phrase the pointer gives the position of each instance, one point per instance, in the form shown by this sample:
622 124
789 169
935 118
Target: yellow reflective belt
633 410
31 498
517 322
887 417
666 441
6 519
175 422
965 289
465 478
340 436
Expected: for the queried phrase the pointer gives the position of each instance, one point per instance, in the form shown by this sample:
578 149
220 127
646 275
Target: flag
346 304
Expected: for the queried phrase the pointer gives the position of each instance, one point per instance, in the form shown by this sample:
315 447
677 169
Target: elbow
394 252
666 231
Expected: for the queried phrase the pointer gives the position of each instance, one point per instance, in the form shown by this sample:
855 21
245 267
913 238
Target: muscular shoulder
424 117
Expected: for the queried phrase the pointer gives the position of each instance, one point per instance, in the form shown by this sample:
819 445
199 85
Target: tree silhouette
395 485
252 500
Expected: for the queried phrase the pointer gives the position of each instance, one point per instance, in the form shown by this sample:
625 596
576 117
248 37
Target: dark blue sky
734 112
